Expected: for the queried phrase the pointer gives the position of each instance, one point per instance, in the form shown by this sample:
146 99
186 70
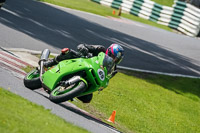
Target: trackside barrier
181 16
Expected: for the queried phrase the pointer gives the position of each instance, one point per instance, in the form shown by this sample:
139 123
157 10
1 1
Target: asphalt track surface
35 25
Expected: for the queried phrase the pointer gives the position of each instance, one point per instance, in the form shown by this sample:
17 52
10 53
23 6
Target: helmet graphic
116 52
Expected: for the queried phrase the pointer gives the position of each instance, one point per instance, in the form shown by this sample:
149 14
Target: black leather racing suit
83 49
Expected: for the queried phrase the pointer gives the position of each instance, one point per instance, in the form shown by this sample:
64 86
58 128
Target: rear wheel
32 80
86 98
61 93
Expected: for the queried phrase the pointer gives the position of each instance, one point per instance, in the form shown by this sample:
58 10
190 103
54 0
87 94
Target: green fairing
72 66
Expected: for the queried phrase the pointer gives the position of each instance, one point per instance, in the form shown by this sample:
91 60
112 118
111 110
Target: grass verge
21 116
149 103
27 69
92 7
165 2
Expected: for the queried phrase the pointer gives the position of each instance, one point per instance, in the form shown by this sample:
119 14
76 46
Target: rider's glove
82 49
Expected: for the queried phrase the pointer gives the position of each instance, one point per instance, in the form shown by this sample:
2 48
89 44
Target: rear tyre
32 80
86 98
61 93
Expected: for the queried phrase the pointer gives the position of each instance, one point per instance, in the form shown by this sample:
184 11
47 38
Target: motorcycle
72 77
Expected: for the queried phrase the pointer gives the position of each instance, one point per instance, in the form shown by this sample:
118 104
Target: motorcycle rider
115 51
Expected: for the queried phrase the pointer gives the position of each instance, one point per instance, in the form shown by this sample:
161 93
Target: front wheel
61 93
32 80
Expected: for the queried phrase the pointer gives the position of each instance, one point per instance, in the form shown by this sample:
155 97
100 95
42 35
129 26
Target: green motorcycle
71 78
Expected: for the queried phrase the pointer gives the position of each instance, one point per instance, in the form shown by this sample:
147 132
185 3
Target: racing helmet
116 52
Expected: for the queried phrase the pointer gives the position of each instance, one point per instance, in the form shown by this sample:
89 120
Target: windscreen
108 62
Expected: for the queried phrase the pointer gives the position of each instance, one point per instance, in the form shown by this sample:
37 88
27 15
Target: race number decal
101 74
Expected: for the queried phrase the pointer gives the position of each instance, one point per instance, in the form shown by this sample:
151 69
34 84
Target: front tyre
32 80
61 93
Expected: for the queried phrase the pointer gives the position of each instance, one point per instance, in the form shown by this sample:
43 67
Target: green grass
141 20
27 69
92 7
50 56
149 103
18 115
165 2
83 5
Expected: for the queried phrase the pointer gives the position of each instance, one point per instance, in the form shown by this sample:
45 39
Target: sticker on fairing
97 62
101 74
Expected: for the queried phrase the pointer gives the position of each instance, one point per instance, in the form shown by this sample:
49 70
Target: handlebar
77 54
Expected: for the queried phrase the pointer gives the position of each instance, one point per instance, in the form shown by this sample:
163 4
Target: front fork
44 57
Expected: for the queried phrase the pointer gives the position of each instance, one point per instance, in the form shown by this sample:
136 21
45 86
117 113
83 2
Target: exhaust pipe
44 57
72 80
